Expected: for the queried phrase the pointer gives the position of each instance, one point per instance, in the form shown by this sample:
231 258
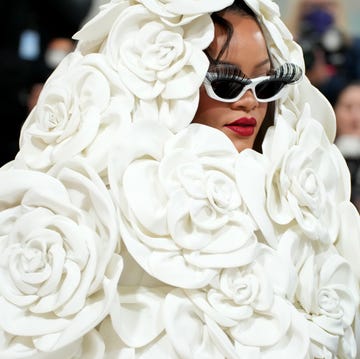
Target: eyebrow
260 64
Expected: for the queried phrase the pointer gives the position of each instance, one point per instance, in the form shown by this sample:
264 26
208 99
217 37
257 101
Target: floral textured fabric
128 232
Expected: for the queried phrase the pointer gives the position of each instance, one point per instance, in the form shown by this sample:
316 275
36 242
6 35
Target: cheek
262 109
208 110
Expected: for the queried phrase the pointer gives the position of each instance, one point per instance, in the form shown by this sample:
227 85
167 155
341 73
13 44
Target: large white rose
79 113
195 334
308 179
58 265
329 292
154 59
247 303
188 220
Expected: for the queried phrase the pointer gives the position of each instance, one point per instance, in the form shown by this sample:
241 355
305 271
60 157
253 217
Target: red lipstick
244 126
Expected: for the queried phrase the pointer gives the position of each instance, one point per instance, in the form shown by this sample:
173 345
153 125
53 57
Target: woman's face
240 120
347 111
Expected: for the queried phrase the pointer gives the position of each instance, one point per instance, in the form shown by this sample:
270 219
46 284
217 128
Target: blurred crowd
38 35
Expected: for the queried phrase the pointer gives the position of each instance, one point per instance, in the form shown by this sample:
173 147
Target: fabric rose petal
91 345
185 328
160 347
308 179
92 35
79 113
137 314
189 219
58 263
181 12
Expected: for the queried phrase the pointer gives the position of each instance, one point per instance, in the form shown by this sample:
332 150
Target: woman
177 194
243 55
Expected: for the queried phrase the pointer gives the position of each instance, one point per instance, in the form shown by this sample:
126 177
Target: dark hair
240 7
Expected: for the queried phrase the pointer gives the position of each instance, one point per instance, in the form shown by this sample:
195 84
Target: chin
241 145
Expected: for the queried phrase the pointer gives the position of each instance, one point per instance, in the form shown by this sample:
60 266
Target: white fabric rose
80 112
193 333
308 179
163 66
154 59
246 304
329 292
58 263
188 220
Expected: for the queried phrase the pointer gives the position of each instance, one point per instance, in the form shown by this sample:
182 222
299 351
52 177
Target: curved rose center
50 121
242 293
165 49
309 182
28 266
329 303
244 289
220 193
32 260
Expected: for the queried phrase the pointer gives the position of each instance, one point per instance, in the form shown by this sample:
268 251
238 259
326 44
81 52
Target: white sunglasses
264 88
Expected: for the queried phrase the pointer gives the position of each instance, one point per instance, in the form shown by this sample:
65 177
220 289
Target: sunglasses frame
251 86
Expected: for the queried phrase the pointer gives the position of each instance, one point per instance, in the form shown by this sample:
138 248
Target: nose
247 102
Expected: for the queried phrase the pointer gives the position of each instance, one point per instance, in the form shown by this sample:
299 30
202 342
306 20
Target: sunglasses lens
227 89
268 88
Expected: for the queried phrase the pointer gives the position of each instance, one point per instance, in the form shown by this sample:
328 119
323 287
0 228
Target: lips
244 126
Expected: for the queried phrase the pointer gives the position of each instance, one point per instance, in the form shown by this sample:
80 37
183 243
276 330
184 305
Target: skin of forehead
238 44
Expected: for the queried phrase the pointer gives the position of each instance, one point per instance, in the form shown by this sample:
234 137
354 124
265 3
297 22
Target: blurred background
352 9
37 34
